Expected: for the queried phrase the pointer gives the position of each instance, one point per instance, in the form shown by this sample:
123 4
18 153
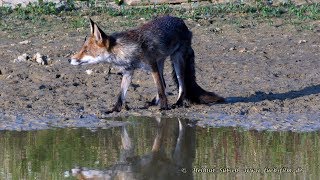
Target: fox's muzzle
75 62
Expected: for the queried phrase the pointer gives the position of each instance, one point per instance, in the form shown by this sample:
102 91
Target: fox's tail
194 92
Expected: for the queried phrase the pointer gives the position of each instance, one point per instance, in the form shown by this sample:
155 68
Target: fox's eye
85 51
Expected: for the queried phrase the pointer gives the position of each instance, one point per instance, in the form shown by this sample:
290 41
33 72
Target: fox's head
94 49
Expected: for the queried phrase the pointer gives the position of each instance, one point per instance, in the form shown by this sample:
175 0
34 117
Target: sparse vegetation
309 11
260 11
79 22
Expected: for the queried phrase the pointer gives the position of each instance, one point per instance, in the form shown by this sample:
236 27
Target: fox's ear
91 25
99 35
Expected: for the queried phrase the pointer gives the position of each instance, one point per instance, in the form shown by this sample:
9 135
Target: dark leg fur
161 87
118 106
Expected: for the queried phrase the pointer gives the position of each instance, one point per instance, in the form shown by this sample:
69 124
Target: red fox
147 47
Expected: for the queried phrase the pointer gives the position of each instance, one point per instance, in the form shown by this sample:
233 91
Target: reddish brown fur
91 48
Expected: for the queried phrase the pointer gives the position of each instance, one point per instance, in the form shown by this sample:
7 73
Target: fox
147 47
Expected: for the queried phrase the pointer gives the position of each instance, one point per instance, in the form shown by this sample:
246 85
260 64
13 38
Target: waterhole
159 148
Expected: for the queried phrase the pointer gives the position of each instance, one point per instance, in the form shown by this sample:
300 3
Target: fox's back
166 27
159 37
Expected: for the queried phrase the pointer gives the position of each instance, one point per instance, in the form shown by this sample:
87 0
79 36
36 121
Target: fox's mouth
76 62
82 62
85 60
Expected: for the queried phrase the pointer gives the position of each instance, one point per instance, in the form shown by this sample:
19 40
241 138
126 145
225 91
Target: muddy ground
268 72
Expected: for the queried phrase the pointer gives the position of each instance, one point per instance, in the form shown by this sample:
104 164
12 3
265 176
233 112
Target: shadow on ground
261 96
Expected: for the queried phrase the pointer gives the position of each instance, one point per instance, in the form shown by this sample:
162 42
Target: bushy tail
194 92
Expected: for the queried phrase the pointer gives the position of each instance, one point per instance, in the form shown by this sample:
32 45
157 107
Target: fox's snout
74 61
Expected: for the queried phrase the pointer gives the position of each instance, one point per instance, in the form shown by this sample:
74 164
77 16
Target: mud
268 73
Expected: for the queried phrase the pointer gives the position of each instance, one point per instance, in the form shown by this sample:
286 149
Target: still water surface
154 148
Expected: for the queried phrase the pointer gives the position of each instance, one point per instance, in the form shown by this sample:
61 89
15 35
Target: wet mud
268 73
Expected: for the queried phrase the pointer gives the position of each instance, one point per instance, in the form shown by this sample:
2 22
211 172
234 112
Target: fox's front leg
125 83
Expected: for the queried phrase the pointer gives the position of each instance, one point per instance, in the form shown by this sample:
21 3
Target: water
147 149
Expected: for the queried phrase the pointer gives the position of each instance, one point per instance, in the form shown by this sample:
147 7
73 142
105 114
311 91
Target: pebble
302 41
41 59
89 71
242 50
24 42
22 58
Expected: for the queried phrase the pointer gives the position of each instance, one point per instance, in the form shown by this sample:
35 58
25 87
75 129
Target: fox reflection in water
154 165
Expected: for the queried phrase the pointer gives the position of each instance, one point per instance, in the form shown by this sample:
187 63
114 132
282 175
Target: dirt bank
269 74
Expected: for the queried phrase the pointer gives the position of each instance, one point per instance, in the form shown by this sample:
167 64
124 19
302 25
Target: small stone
24 42
89 71
302 41
215 30
40 59
242 50
22 58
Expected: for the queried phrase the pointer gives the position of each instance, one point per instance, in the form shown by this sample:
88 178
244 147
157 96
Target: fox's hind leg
155 101
125 83
178 62
157 74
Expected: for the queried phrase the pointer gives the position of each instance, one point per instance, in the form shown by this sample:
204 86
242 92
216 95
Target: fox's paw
116 108
127 107
153 102
164 106
109 111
